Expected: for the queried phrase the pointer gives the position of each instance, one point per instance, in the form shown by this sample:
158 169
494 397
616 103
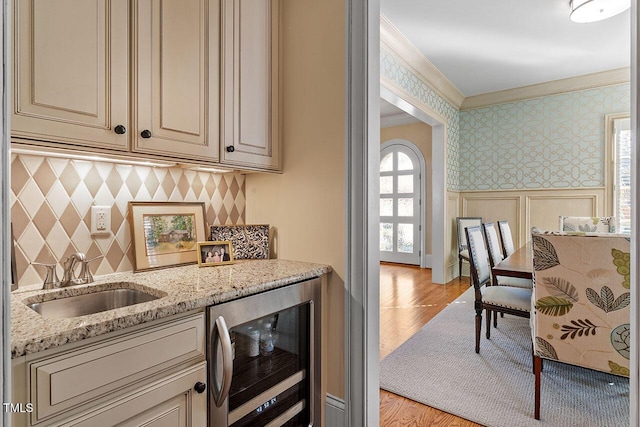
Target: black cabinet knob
145 134
120 130
230 148
200 387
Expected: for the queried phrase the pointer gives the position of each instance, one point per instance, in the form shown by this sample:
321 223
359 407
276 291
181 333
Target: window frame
610 160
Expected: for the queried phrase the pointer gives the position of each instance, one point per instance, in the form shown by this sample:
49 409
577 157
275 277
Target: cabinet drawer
70 380
171 401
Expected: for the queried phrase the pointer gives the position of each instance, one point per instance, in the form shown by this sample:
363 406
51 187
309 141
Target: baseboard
428 263
334 412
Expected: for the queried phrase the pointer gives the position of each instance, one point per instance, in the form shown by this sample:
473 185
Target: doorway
402 200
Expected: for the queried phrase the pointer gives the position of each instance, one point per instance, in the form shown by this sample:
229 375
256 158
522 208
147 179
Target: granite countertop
181 289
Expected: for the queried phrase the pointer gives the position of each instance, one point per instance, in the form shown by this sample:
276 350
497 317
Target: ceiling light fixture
596 10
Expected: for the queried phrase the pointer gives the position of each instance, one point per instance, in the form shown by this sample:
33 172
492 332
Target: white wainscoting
526 208
451 236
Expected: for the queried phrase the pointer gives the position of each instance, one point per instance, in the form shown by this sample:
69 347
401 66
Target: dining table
518 264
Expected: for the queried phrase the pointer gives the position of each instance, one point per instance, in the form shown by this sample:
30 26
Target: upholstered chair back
478 256
587 224
580 302
506 237
462 223
493 243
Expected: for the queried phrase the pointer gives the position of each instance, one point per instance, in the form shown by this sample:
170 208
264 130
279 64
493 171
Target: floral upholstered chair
587 224
580 303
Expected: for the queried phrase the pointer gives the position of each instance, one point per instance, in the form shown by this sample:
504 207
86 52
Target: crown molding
555 87
406 52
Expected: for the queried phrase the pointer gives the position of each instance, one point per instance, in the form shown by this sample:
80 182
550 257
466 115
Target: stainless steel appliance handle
219 395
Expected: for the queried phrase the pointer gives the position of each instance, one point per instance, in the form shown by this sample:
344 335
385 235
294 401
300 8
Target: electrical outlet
100 219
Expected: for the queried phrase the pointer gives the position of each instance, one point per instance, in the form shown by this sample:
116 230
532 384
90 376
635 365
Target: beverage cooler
263 356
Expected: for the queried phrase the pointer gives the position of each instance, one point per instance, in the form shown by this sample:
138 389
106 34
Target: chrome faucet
69 277
51 279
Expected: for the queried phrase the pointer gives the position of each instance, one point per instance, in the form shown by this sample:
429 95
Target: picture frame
212 253
249 241
165 234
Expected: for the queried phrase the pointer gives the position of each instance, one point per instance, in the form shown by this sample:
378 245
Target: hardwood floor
408 300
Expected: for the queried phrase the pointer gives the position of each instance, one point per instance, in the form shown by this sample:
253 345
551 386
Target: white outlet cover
100 220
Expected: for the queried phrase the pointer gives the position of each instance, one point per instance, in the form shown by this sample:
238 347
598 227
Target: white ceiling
484 46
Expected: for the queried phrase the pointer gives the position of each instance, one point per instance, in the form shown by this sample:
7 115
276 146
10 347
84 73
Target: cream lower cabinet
171 402
70 72
153 375
251 124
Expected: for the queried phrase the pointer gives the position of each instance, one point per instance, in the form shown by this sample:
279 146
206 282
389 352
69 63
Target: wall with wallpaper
51 200
550 142
397 73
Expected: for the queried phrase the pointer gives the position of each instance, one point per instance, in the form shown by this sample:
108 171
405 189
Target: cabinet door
250 79
177 78
170 402
71 71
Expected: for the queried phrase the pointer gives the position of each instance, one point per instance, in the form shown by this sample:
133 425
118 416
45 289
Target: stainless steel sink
96 302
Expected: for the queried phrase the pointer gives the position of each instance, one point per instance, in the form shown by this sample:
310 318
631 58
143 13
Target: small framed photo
215 253
165 234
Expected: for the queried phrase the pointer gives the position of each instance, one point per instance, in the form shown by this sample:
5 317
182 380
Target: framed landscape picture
166 234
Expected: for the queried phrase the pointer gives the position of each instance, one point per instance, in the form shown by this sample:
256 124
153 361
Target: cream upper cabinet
189 80
176 83
71 72
250 43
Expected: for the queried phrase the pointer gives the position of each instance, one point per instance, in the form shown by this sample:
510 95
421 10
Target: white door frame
634 385
5 199
438 179
425 261
362 244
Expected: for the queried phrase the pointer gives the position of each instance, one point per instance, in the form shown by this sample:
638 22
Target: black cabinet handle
200 387
120 130
145 134
230 148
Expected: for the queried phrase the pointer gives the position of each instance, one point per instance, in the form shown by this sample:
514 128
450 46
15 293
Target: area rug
439 367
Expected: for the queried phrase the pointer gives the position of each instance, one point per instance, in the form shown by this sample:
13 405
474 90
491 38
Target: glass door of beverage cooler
270 378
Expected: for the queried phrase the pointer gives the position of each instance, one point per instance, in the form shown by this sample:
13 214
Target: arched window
400 203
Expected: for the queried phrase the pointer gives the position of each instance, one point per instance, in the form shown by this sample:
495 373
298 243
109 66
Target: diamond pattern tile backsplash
51 201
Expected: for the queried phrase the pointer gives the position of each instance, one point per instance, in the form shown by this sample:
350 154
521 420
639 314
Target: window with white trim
622 173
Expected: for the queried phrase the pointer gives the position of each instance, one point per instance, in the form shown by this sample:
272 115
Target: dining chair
587 224
506 238
581 303
495 256
492 299
463 251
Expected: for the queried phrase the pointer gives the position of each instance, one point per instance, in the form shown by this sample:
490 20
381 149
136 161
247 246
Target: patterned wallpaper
51 200
554 141
404 78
